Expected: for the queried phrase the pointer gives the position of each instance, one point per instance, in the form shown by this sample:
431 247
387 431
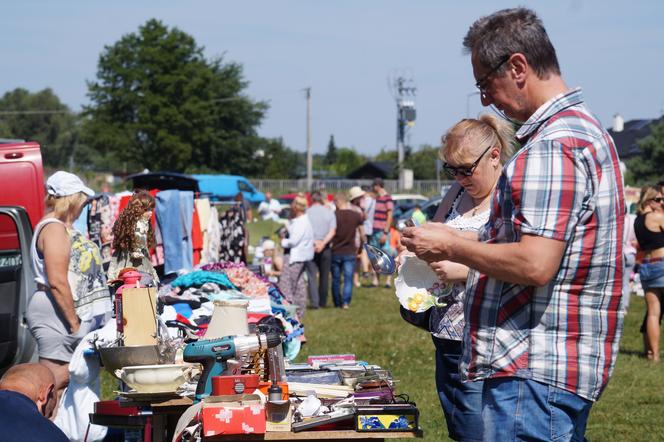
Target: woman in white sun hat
72 297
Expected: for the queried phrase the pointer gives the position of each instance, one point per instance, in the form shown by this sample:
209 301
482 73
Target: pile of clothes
189 300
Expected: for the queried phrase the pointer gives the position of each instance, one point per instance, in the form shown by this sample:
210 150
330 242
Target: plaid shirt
564 184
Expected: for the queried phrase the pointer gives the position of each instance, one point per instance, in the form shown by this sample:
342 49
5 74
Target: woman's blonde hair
65 208
648 192
477 134
300 202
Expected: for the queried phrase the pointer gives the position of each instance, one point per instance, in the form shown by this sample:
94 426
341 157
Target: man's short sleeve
333 220
389 204
549 184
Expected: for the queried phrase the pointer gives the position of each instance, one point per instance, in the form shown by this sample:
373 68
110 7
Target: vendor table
330 436
165 414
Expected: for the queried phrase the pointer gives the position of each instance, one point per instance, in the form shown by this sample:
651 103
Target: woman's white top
300 239
37 261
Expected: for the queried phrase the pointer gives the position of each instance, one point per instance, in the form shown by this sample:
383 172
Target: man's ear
46 400
518 67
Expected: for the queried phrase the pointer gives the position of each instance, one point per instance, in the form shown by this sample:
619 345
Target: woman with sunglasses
473 152
649 230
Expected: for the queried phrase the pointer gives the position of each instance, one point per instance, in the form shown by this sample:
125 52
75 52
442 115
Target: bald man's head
33 380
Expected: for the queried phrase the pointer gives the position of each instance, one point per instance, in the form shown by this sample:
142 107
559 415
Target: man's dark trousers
318 271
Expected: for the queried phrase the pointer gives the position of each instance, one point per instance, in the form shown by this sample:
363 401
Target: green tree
648 166
387 155
157 103
278 161
347 160
331 155
43 118
423 162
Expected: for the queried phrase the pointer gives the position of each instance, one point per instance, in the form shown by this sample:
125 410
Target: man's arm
532 261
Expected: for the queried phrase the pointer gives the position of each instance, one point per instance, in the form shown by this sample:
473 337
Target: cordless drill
213 354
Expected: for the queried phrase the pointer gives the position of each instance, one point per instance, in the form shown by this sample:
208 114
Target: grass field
631 408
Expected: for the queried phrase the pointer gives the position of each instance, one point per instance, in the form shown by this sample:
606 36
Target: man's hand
430 242
318 246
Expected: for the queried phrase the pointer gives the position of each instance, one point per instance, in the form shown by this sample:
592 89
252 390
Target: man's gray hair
493 38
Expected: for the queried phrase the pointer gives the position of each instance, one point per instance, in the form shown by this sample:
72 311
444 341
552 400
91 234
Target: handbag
419 320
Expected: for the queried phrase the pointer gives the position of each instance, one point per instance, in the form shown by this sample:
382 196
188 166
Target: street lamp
472 94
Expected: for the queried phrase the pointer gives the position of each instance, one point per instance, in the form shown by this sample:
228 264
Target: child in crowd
271 262
133 237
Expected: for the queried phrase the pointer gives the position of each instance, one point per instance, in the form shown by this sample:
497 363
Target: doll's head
140 206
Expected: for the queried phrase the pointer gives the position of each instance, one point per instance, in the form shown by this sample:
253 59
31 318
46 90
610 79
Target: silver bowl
114 358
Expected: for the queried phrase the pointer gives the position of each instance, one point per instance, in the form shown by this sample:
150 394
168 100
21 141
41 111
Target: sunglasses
659 199
481 83
465 171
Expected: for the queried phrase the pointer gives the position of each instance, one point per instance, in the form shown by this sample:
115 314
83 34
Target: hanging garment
211 247
203 210
233 236
174 219
196 237
100 225
187 217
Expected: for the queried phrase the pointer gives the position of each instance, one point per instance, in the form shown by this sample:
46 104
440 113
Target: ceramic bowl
418 287
154 378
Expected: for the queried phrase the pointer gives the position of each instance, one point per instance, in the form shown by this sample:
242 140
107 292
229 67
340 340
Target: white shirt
269 210
300 239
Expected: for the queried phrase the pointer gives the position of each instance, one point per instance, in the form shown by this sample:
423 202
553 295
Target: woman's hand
401 257
449 271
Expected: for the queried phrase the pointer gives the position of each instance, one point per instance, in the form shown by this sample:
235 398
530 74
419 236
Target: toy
133 237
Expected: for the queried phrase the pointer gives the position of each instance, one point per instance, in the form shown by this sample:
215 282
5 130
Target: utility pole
310 159
403 90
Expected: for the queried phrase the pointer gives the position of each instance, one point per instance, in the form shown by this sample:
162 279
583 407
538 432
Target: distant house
374 169
626 134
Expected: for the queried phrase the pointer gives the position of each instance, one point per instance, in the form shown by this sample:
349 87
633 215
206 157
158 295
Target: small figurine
133 237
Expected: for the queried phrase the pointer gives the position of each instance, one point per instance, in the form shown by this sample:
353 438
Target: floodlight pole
472 94
310 160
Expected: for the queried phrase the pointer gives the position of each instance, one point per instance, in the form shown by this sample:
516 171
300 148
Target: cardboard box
233 414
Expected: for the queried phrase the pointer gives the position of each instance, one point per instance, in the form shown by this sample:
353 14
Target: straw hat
355 192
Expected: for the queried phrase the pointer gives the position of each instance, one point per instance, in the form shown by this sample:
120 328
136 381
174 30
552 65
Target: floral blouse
448 322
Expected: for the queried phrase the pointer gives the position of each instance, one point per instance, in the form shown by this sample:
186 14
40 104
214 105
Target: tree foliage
347 160
43 118
649 166
331 155
158 103
423 162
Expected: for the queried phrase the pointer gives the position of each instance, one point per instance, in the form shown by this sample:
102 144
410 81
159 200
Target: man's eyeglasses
465 171
481 83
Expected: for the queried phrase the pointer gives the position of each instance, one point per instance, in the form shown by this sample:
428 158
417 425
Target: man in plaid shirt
542 308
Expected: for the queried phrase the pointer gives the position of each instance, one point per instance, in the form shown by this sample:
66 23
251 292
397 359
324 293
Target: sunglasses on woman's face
465 171
659 199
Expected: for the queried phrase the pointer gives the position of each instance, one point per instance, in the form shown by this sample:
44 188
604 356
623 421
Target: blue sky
346 51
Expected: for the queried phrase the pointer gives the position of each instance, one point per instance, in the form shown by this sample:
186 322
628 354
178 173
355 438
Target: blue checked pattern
564 184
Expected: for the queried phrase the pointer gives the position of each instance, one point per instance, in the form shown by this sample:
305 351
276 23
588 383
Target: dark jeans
319 277
347 264
461 401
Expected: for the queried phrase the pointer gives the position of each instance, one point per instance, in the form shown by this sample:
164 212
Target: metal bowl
114 358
